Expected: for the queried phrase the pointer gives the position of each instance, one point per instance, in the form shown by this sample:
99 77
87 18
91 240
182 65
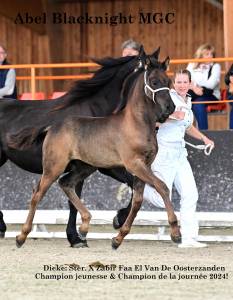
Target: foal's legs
138 188
68 183
119 174
141 170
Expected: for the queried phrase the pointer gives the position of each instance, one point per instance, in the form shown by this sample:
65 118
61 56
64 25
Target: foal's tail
26 138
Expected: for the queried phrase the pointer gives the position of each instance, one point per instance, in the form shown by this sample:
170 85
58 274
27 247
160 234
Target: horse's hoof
77 240
19 243
82 244
176 239
82 235
2 234
115 244
115 223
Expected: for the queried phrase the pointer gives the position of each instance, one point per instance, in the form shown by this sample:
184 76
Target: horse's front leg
2 226
137 199
141 170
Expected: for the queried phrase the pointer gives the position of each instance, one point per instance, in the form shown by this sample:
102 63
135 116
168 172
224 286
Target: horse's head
157 86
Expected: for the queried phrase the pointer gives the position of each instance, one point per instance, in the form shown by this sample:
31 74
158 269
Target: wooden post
228 38
228 32
33 82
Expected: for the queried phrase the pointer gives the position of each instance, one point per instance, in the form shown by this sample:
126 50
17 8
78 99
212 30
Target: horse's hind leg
71 230
3 159
68 184
136 204
55 160
2 226
43 185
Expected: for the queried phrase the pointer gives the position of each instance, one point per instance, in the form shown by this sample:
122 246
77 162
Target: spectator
229 83
7 77
205 83
130 48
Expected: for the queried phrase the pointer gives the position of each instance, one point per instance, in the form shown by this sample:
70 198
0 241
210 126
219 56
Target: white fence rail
144 218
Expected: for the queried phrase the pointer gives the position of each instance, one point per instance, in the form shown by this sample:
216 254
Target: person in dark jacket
229 83
7 77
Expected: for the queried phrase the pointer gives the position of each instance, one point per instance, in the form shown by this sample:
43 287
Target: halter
147 87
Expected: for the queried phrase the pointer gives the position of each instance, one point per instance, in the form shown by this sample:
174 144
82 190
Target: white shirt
199 76
172 132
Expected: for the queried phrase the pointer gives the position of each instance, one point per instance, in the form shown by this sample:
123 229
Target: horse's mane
127 87
85 88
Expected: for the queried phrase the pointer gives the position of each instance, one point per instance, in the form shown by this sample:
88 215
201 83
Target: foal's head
157 85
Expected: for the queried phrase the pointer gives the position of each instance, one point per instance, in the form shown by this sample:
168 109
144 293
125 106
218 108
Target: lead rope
207 148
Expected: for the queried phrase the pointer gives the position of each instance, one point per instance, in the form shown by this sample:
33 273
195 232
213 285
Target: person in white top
171 164
205 83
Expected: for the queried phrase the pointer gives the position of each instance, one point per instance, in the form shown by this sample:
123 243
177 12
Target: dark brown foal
125 139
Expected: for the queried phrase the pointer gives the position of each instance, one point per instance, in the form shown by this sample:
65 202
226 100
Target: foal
125 139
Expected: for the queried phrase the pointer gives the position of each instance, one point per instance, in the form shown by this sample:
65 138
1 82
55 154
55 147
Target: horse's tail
26 137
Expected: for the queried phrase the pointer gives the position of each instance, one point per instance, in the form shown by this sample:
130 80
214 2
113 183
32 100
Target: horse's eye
154 81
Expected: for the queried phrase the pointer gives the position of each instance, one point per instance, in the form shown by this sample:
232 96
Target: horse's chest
149 155
150 149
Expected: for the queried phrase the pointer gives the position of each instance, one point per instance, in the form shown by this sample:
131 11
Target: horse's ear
165 63
148 61
142 56
153 58
156 53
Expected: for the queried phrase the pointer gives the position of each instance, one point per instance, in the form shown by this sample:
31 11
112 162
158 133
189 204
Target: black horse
98 96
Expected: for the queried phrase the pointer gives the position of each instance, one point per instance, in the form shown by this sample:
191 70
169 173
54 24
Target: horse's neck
101 104
139 107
